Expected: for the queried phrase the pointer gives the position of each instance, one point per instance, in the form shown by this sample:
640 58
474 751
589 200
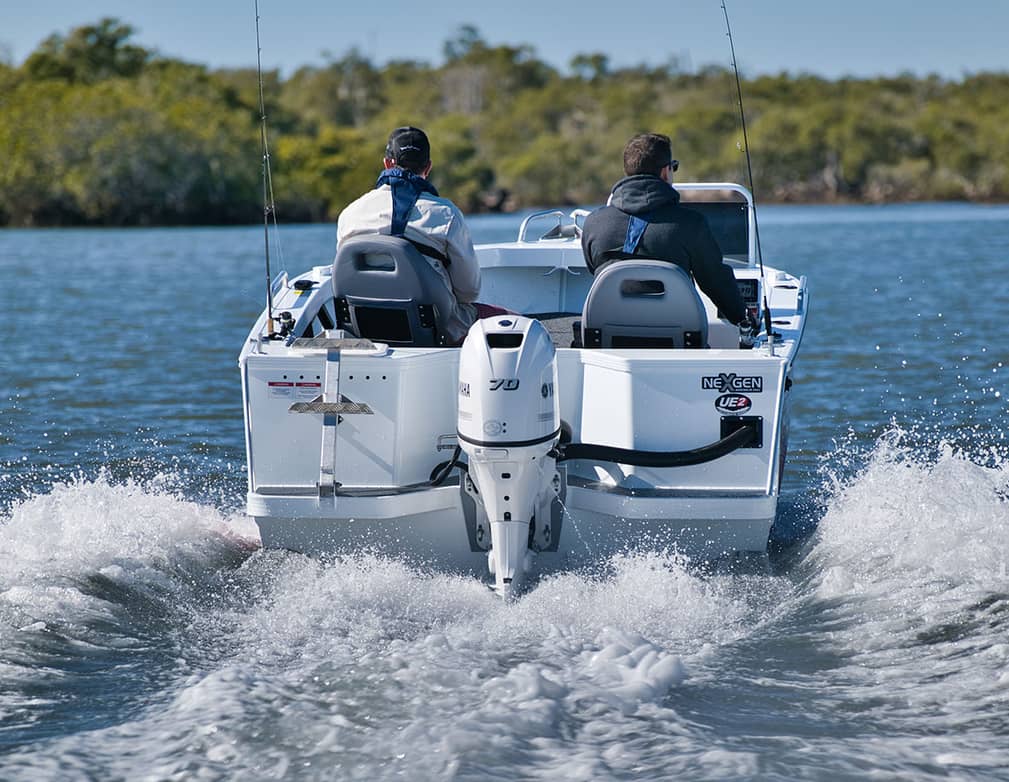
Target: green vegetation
97 130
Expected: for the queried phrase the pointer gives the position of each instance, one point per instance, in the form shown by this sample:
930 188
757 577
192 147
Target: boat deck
560 326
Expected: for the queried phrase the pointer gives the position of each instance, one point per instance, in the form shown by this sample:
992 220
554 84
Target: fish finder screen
748 290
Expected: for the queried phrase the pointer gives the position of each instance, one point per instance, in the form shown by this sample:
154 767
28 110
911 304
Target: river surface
145 636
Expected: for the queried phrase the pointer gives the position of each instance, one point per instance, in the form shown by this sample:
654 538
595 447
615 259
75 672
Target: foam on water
133 537
229 662
905 522
81 524
908 575
281 664
93 577
362 664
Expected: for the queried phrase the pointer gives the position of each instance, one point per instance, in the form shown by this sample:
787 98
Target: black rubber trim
706 453
510 444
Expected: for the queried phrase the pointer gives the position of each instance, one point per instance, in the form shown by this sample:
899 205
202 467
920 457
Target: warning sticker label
308 390
281 388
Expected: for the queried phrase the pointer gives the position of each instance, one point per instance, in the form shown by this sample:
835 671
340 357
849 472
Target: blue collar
636 225
406 189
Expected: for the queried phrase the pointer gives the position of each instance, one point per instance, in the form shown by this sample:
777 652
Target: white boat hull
343 438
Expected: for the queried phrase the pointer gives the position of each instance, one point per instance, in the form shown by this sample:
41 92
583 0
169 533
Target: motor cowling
508 425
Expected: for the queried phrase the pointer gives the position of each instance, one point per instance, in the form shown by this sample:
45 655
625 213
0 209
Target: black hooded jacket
674 233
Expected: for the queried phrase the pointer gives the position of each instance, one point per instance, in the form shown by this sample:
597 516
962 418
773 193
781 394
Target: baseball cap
409 145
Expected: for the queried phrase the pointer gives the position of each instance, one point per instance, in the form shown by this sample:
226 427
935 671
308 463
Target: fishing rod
268 204
749 174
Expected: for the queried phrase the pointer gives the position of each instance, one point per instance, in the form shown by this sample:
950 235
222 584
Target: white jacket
434 222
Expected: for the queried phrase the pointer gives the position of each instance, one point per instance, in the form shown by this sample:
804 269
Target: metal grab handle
536 216
563 230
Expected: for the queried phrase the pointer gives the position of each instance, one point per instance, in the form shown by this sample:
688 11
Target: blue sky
836 38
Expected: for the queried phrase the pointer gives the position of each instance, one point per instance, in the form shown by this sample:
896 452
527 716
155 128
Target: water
144 636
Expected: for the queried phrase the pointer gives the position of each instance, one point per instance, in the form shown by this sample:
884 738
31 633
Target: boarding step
344 407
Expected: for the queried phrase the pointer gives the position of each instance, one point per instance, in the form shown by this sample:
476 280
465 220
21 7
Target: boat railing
567 227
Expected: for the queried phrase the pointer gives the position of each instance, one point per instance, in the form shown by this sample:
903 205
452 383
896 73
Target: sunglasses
674 165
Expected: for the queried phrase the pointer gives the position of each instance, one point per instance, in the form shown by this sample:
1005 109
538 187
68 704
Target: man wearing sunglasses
644 219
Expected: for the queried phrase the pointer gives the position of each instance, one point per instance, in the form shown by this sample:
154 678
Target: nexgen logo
730 381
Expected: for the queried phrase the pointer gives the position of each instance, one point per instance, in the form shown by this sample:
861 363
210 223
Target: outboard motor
509 422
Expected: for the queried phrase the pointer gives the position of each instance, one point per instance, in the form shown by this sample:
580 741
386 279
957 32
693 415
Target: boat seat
643 304
386 291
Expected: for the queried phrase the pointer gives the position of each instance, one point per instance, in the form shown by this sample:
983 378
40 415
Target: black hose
441 471
706 453
567 450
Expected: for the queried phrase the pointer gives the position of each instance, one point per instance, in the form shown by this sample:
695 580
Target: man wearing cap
644 219
405 204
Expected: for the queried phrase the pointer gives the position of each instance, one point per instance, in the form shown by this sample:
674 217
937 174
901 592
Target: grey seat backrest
644 304
387 291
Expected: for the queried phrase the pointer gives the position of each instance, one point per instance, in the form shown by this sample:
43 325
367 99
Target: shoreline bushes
99 131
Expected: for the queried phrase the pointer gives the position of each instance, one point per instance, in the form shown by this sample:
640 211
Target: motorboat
612 412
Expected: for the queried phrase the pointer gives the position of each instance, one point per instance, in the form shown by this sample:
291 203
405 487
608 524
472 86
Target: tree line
97 130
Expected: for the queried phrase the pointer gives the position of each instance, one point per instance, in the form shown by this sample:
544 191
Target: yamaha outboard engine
509 423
